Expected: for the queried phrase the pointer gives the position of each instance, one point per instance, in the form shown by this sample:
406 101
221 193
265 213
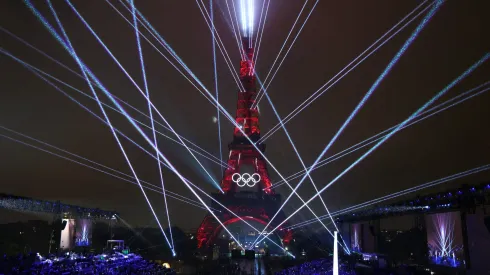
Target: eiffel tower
246 183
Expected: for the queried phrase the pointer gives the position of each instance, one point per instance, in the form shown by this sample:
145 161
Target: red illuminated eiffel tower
246 170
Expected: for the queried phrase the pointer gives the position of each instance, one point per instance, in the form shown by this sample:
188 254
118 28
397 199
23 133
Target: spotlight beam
422 116
233 20
396 194
99 84
155 141
325 87
209 156
71 49
264 89
141 92
366 96
394 131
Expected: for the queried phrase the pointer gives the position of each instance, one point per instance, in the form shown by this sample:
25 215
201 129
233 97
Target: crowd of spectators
116 263
316 267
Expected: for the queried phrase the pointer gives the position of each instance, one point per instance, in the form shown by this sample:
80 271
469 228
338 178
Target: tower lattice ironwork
245 164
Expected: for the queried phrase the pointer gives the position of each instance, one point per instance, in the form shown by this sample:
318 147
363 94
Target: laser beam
235 31
141 92
261 31
209 156
164 44
70 48
91 97
366 96
224 111
38 74
103 121
216 86
219 42
422 116
397 194
145 82
99 84
394 131
148 185
341 74
305 168
264 90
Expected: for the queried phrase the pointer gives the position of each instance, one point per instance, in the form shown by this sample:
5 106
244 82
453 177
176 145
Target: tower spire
246 117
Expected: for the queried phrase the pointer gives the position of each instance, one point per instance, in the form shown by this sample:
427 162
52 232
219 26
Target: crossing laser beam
422 116
394 131
141 92
341 74
70 48
29 66
164 44
396 194
346 248
264 89
219 42
261 31
366 97
258 96
103 121
38 73
229 117
155 141
208 155
215 67
148 185
309 176
99 84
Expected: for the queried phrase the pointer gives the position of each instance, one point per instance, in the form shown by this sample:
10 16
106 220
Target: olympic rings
245 178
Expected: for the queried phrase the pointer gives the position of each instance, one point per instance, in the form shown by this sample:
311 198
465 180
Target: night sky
453 141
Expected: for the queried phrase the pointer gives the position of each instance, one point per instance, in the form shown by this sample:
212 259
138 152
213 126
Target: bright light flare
247 17
444 225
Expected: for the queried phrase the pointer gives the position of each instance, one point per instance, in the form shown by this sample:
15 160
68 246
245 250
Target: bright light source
247 16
